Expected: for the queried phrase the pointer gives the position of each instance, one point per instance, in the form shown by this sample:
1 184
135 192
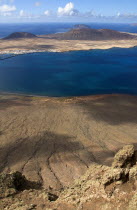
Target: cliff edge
102 187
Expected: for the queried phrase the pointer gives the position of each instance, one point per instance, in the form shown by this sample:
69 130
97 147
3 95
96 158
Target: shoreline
83 97
23 52
27 46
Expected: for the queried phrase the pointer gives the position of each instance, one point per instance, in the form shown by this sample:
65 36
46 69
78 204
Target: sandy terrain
55 140
43 44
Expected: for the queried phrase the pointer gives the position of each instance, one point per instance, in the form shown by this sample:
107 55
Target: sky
123 11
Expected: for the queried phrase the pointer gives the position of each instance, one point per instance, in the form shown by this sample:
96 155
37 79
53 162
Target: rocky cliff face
105 187
102 187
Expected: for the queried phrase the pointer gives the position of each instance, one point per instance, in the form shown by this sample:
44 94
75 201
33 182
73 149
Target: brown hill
92 34
20 35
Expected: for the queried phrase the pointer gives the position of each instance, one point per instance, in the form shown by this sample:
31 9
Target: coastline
27 46
61 98
23 52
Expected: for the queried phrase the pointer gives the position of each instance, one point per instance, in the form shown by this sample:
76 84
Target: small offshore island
81 37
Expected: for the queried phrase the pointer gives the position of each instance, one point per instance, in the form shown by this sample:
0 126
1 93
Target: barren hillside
55 141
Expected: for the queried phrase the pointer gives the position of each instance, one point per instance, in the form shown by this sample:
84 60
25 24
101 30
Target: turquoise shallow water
72 73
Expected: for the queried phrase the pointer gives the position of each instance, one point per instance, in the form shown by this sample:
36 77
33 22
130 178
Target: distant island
79 32
134 24
81 26
80 37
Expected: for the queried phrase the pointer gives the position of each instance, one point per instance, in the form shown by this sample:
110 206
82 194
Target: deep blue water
72 73
48 28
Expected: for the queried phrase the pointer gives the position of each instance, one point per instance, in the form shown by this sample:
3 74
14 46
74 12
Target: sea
76 73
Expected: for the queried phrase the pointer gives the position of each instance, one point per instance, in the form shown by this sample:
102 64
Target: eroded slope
55 141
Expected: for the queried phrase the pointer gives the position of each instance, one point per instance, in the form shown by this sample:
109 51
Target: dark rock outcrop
13 183
20 35
125 158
